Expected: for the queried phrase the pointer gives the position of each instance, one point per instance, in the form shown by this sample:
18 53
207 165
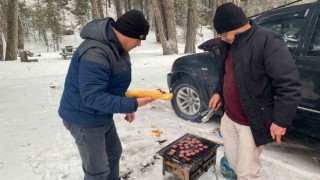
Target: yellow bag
154 94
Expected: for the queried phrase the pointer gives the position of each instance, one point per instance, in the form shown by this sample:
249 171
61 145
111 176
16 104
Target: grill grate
193 143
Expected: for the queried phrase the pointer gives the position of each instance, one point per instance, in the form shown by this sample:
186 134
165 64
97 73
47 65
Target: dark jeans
100 150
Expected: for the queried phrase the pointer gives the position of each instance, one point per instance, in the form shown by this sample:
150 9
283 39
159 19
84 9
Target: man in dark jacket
259 86
97 79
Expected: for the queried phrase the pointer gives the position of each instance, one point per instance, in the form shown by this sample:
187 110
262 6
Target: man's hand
215 102
144 101
276 132
130 117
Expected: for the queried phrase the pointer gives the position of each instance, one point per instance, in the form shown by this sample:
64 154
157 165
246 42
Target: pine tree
81 11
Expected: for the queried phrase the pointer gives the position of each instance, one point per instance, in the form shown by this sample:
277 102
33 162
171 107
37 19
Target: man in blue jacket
97 79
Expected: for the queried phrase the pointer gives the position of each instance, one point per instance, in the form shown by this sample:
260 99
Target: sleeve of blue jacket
94 77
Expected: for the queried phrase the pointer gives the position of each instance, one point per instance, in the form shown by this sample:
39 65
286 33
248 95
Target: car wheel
186 101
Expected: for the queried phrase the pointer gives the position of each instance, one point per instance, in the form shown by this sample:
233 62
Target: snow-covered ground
34 145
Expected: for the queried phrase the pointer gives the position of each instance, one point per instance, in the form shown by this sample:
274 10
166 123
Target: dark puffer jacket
267 79
98 76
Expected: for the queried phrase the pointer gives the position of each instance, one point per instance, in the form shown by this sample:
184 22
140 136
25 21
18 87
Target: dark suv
194 77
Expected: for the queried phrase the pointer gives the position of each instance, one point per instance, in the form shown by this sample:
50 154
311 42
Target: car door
295 27
308 61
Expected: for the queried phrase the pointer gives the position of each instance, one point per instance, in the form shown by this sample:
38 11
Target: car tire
186 101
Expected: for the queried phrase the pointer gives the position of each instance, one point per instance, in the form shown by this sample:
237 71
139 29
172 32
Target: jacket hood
97 30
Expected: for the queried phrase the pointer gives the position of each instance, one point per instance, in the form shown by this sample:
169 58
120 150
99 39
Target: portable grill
188 157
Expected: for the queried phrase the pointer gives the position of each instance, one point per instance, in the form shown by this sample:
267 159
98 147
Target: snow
35 145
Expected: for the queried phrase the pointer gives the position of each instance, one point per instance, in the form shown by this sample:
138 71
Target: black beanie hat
229 17
132 24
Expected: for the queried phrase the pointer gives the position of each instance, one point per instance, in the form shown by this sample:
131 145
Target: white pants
240 149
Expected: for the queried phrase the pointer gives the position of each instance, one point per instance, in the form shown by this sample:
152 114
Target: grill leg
163 170
215 172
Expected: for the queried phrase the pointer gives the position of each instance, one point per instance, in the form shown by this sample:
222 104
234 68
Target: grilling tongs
210 113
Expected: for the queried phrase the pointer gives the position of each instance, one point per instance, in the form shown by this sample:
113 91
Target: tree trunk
12 41
165 44
94 9
210 11
214 8
1 46
129 4
191 27
163 21
126 6
53 42
220 2
109 3
107 6
1 37
171 25
236 2
141 5
20 34
118 8
100 9
147 11
3 20
45 37
156 31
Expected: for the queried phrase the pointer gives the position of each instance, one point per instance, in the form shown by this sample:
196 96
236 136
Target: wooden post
24 57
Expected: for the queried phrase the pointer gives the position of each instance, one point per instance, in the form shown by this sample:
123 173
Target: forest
174 21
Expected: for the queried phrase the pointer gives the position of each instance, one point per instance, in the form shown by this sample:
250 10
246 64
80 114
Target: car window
314 47
289 26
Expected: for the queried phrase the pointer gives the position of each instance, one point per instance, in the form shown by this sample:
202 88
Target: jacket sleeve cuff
280 124
135 104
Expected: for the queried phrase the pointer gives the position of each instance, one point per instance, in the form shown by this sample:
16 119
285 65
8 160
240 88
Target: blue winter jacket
98 76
